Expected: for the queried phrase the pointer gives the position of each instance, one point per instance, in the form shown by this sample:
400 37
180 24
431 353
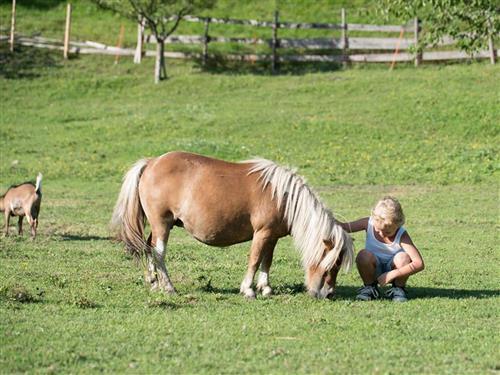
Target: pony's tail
38 185
128 216
343 245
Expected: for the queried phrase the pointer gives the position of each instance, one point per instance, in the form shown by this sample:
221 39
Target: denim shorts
384 264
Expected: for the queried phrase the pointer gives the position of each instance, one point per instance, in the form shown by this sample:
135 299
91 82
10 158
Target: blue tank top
381 249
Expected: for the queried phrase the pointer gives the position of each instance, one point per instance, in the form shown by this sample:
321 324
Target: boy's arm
416 264
355 226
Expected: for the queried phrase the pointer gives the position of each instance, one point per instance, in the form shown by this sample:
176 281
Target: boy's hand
384 279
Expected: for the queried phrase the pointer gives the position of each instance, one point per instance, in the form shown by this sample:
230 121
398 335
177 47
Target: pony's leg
160 237
265 266
260 244
20 225
150 274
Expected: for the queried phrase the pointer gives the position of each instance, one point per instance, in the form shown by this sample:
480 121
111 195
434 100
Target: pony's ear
328 244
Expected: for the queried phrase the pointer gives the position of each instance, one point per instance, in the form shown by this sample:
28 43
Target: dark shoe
397 294
368 293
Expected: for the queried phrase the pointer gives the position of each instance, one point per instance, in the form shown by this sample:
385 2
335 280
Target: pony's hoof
267 291
249 293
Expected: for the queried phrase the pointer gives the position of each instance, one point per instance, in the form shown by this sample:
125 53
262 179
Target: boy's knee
365 257
401 259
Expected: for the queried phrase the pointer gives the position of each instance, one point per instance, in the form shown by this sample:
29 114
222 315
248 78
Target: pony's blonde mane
309 221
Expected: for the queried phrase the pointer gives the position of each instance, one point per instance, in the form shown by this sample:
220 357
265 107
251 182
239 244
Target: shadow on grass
25 62
73 237
220 65
37 4
350 292
212 289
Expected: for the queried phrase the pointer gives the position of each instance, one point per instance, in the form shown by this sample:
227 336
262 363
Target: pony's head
337 252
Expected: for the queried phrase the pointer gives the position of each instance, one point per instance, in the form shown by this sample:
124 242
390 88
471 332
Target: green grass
72 302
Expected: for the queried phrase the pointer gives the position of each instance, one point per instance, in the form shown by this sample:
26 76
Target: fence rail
295 25
311 43
345 49
348 46
90 47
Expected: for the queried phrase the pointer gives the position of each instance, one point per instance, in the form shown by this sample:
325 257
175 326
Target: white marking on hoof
249 293
267 291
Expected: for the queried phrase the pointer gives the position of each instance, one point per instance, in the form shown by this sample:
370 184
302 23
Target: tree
471 22
161 16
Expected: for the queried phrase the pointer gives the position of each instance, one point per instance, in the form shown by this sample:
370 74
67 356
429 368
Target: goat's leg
20 225
7 221
32 223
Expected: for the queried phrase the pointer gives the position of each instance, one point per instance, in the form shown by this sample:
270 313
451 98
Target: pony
23 200
222 203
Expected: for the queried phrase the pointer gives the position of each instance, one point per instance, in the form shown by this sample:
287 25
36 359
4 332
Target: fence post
275 41
418 54
491 46
119 44
493 52
67 31
206 40
345 40
13 26
140 40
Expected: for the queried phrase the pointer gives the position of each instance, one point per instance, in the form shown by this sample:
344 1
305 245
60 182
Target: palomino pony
221 204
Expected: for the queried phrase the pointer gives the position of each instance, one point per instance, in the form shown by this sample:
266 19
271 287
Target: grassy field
72 302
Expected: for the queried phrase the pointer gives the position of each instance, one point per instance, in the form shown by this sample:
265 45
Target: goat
23 200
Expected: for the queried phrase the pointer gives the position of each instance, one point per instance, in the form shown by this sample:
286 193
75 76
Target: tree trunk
160 67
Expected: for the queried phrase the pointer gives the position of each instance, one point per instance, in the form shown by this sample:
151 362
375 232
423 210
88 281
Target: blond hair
388 209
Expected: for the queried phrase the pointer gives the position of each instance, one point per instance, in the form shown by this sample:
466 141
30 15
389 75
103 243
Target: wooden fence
349 47
344 49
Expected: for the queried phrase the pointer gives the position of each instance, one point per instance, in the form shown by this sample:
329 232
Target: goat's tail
38 185
128 217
